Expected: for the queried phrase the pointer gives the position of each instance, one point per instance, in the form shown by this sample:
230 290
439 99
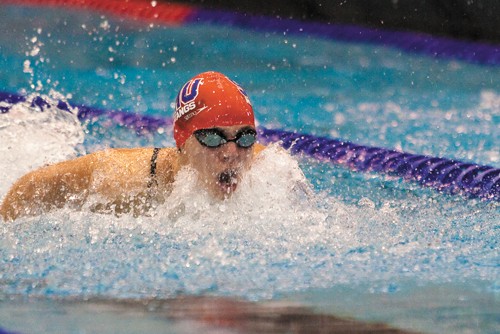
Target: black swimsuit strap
152 170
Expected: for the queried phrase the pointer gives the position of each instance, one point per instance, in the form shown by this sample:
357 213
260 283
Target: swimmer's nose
229 152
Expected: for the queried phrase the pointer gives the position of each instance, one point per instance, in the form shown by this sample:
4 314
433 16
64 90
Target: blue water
357 242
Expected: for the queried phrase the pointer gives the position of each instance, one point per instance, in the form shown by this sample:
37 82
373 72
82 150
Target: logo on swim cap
210 100
186 98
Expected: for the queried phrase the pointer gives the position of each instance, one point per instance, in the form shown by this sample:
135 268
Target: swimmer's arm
48 188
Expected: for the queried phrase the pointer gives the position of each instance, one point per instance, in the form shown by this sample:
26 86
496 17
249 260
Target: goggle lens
214 138
246 139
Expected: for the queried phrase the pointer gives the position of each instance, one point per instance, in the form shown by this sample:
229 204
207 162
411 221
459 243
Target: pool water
358 245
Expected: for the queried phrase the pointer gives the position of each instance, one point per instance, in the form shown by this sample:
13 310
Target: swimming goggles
215 138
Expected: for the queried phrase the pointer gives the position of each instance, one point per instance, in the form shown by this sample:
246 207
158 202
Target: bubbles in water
192 244
274 235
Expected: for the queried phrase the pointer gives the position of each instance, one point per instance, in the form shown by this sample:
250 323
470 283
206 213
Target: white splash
274 235
31 137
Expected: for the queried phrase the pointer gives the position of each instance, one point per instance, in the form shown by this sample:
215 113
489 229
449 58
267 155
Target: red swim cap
209 100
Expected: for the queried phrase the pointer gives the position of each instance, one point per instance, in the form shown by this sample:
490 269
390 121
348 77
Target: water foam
34 135
275 235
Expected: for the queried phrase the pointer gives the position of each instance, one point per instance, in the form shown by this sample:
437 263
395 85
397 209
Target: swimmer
214 132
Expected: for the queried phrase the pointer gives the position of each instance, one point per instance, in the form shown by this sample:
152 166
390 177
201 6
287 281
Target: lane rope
442 174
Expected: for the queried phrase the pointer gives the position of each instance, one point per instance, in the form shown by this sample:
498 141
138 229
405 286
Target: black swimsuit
152 170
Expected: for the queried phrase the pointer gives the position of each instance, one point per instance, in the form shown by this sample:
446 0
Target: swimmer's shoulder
167 164
131 169
136 158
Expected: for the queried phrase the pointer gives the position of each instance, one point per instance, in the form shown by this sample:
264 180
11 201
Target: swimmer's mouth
228 180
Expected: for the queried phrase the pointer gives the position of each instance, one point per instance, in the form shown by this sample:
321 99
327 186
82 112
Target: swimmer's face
220 168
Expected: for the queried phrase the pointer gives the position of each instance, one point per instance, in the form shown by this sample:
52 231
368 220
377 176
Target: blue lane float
3 331
443 174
